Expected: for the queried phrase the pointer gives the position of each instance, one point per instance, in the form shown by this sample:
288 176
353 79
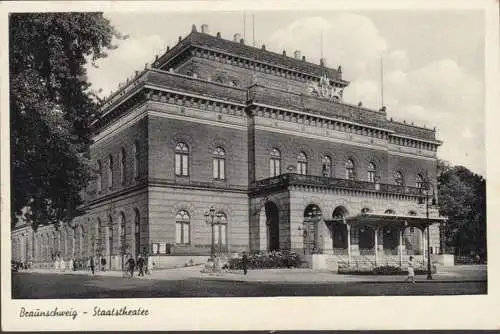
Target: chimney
322 62
242 41
204 28
284 53
296 54
180 39
263 47
303 58
193 28
236 37
218 35
168 48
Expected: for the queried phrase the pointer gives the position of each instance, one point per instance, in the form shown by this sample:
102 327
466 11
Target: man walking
411 271
92 265
131 266
244 262
140 264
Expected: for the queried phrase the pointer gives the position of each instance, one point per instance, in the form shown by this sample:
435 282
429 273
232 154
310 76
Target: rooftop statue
323 89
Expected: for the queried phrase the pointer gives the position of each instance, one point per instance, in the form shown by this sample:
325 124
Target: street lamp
210 216
426 186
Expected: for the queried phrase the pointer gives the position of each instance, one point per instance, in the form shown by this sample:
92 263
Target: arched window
181 160
99 176
123 165
275 163
219 164
220 227
349 169
302 163
326 166
182 233
372 172
420 182
135 152
110 171
398 178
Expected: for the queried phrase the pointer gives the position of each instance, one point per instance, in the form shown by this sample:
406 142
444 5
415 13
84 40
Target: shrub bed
276 259
382 270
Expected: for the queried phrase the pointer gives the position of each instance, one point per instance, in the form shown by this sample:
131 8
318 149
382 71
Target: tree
462 198
50 107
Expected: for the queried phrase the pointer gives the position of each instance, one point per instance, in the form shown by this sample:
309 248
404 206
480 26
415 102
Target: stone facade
198 130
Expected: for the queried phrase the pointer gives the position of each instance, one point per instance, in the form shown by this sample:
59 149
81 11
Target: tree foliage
50 107
462 198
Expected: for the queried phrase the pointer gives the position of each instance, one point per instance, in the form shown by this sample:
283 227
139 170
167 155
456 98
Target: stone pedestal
326 262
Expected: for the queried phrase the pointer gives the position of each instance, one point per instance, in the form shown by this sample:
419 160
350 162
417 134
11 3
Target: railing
288 179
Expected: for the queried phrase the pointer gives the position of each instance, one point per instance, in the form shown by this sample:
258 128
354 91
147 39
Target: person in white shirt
411 271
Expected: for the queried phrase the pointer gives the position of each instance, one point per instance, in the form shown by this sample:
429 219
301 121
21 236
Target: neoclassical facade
221 145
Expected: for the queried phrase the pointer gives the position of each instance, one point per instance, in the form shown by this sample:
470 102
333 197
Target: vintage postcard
249 165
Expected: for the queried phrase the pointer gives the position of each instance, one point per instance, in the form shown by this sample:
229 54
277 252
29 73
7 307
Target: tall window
219 164
110 171
275 163
349 169
137 231
398 178
181 160
182 227
99 176
302 163
372 172
220 239
420 181
136 159
98 240
326 168
110 235
122 232
123 165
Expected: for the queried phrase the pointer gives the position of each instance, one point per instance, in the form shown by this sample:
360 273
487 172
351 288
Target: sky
433 61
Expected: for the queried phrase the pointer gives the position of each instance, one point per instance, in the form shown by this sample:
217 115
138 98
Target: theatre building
260 147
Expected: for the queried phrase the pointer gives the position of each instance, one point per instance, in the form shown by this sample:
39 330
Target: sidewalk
305 276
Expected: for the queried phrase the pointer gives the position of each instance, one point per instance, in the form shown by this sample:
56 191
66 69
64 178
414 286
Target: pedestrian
411 271
103 264
92 265
71 264
131 266
244 262
140 264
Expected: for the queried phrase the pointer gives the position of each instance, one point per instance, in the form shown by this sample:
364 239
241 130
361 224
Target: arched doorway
312 217
273 226
390 240
339 229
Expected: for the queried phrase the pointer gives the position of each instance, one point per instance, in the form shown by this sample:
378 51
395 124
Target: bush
383 270
275 259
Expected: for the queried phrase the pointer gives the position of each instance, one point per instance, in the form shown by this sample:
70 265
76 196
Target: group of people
141 265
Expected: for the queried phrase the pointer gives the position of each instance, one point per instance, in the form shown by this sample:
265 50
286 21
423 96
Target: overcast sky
433 60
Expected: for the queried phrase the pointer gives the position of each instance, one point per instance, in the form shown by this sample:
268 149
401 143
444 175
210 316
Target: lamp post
210 216
426 186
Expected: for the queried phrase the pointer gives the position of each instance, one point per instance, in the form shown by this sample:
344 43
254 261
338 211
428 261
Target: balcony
291 179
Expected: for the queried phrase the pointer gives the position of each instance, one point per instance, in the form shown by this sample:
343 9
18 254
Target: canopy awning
387 219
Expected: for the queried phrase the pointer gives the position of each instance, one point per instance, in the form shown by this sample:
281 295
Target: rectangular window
178 233
221 169
216 169
177 164
185 165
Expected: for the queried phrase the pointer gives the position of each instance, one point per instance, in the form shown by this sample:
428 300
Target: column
348 227
401 246
262 230
375 236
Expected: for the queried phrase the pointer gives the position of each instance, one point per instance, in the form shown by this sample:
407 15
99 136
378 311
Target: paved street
49 285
